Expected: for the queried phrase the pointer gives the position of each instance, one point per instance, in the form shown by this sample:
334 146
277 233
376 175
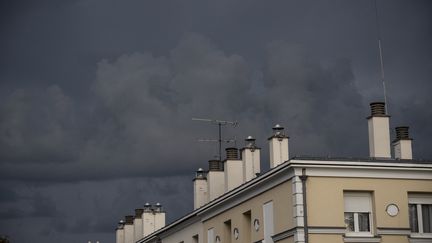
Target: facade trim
285 234
326 230
362 239
364 171
393 231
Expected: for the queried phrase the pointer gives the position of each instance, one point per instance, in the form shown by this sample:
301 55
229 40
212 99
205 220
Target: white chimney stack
233 170
148 220
379 133
153 218
129 229
403 144
120 232
138 224
278 143
159 217
200 189
250 159
215 180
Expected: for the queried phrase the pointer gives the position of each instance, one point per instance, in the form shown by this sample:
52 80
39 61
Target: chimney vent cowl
158 207
129 219
278 132
200 174
378 109
231 153
215 165
138 213
250 142
147 207
402 133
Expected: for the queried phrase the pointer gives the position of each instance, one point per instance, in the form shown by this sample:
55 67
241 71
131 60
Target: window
268 222
227 231
210 235
420 214
247 222
195 239
358 213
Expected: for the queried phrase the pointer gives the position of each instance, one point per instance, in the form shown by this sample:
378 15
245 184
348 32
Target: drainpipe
303 179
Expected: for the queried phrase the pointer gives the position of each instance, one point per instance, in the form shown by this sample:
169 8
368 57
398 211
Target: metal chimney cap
129 219
121 221
200 169
378 109
250 138
138 213
158 205
215 165
147 207
278 127
231 153
402 133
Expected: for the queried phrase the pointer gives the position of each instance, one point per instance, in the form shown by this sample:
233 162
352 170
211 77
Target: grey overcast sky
97 96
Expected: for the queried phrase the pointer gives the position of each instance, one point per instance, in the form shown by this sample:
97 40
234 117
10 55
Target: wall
186 234
281 196
326 204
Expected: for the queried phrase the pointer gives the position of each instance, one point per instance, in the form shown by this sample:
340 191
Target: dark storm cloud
38 126
102 205
147 103
7 195
34 206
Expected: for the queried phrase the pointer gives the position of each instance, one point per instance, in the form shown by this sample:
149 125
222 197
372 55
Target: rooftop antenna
381 55
220 123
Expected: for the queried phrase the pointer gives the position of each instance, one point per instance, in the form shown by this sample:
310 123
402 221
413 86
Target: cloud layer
138 121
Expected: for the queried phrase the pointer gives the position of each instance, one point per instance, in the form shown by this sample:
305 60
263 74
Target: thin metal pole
220 141
381 56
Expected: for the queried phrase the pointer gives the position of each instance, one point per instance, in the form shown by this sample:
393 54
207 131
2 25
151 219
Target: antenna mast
381 55
220 123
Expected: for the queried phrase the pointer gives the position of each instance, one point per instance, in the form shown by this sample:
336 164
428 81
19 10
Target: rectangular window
195 239
420 214
268 222
358 213
210 235
247 222
227 231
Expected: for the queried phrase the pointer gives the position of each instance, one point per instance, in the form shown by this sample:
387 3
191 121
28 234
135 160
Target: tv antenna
219 123
381 55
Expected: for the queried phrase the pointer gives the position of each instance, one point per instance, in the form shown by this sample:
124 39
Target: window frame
357 232
418 200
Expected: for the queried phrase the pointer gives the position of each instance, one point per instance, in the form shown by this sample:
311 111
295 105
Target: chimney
251 159
153 218
200 189
278 143
402 144
159 220
120 232
129 229
233 170
138 224
215 180
148 220
379 134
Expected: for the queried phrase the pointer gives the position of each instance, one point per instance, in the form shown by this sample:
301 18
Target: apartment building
380 198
